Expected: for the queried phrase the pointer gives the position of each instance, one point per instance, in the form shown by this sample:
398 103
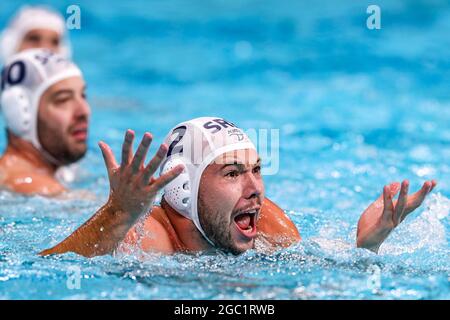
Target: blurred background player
46 115
34 27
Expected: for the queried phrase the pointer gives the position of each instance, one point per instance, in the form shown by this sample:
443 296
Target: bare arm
147 236
384 215
99 235
276 227
133 190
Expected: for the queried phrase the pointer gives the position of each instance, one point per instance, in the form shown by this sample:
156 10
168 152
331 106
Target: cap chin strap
32 135
51 158
174 191
34 140
178 193
196 181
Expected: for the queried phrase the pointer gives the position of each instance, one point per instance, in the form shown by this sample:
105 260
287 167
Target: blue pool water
356 109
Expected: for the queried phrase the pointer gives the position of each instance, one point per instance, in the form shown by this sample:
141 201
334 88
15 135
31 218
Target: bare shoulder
150 235
275 226
32 184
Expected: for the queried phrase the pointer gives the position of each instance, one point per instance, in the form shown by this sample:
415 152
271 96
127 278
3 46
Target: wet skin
63 119
41 38
237 186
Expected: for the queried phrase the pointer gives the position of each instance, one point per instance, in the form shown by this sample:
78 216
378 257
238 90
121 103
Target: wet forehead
43 32
72 83
244 156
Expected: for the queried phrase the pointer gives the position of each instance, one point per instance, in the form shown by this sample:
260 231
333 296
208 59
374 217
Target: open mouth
246 223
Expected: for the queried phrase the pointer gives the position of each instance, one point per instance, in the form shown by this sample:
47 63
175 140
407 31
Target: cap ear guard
178 192
16 108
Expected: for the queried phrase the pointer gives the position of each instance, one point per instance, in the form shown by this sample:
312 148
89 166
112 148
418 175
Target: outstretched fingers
388 209
108 157
153 165
127 148
417 198
433 185
139 157
400 207
166 178
394 188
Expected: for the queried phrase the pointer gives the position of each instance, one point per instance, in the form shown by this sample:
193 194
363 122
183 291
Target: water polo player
46 115
213 199
34 27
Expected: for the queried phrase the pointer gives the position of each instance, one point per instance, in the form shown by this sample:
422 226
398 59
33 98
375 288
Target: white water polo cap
29 18
25 78
196 144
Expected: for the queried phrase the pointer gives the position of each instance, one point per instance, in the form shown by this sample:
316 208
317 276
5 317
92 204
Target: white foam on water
426 231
